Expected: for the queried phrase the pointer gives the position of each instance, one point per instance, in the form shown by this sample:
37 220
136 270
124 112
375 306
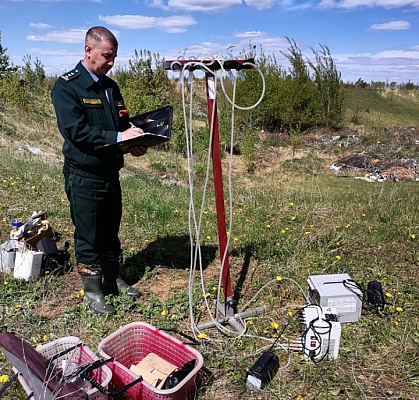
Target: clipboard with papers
157 127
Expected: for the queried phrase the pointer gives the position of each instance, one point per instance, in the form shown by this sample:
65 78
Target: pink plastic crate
131 343
81 355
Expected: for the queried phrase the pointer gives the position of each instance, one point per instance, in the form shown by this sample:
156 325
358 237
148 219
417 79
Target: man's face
100 59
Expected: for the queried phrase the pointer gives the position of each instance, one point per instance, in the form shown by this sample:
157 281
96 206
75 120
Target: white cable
261 96
195 256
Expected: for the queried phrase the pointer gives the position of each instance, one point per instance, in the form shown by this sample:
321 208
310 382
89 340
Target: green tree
145 85
328 89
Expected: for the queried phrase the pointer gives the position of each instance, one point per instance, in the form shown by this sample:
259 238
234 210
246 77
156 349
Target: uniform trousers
96 211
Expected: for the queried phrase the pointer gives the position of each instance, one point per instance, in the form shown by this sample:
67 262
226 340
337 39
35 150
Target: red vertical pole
218 183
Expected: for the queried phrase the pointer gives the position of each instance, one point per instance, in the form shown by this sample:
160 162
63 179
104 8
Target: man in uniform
88 104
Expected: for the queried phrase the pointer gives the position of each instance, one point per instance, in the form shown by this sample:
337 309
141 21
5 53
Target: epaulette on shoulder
68 76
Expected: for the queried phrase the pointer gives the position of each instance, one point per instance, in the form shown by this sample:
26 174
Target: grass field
385 107
288 222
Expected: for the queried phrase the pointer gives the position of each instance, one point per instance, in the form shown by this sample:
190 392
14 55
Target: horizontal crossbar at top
213 65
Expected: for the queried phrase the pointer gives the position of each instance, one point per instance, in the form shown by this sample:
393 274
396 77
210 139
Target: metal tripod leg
229 317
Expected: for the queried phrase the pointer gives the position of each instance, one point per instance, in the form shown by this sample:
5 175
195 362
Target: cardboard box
153 369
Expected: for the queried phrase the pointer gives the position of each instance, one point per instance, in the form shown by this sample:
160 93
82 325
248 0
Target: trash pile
378 168
32 250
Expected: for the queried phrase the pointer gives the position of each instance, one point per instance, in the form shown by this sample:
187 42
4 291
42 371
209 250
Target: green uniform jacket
84 118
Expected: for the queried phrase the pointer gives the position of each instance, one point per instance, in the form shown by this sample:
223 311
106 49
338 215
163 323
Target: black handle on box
102 390
64 352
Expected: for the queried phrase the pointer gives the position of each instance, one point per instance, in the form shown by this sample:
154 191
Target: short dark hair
97 34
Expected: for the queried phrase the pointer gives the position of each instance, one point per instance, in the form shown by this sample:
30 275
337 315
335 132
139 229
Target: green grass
287 222
391 107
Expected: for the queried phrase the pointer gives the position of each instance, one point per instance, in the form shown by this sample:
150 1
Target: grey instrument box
338 291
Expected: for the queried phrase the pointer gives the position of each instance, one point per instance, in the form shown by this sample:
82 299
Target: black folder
157 127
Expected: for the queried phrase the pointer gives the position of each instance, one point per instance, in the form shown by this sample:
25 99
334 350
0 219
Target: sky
376 40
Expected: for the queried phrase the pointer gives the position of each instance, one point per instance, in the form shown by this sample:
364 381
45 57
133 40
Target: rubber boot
123 287
110 275
92 286
113 282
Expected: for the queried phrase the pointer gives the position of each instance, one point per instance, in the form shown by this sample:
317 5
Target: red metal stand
219 193
228 309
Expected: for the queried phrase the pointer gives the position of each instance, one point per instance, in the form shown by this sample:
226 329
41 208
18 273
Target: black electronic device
375 294
157 127
262 371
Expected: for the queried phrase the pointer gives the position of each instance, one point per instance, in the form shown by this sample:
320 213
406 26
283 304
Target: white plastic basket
81 355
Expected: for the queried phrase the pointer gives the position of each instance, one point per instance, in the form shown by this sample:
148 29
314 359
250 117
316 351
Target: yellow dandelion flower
4 379
27 303
202 336
412 236
293 218
38 346
289 313
363 215
146 240
279 278
228 233
164 312
46 272
291 204
45 338
311 226
268 226
208 237
78 296
307 233
282 231
337 257
399 309
207 294
299 397
249 322
32 187
399 293
277 244
388 294
5 282
82 292
4 219
274 325
265 331
176 210
338 244
236 239
396 323
247 220
12 183
214 288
